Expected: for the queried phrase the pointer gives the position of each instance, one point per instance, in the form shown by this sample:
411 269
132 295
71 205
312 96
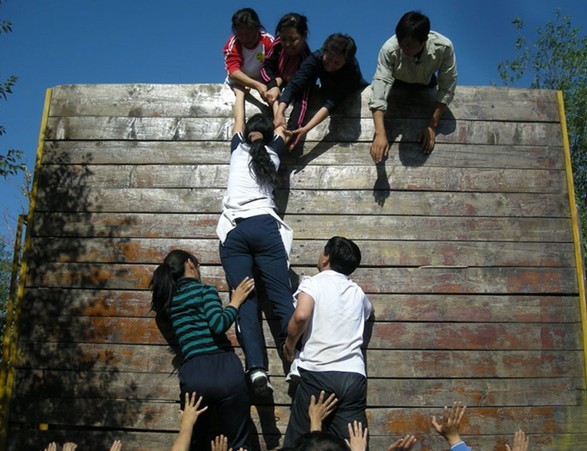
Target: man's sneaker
294 373
260 382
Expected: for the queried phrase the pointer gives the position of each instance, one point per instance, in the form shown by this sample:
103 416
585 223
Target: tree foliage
11 163
557 59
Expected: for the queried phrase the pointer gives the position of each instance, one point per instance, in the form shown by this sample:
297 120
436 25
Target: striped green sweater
198 319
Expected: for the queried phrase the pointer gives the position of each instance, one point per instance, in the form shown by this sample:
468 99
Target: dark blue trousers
220 380
351 391
255 247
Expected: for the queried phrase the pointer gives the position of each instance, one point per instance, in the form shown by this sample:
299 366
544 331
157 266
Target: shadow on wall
344 127
408 114
70 372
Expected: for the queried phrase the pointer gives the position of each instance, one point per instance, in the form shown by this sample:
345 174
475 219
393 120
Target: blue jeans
255 244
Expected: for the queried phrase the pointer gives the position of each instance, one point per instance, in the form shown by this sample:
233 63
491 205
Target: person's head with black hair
339 49
413 24
246 26
292 30
412 32
320 441
176 265
259 133
341 255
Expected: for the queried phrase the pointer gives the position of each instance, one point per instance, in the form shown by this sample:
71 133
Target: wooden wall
468 258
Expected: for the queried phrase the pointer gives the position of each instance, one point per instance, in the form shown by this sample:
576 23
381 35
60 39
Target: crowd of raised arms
322 320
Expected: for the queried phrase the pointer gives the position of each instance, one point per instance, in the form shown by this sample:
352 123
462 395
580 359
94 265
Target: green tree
11 163
557 59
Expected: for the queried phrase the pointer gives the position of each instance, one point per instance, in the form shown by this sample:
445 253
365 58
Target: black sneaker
260 382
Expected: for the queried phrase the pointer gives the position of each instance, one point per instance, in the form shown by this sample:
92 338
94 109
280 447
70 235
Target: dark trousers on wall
351 391
255 246
220 380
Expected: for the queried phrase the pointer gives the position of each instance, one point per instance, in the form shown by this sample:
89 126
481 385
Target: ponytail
258 134
164 280
163 287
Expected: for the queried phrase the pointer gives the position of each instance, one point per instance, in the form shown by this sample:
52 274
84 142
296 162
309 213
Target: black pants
351 391
220 380
399 84
255 243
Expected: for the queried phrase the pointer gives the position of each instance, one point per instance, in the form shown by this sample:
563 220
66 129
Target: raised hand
449 424
521 442
319 410
403 444
358 436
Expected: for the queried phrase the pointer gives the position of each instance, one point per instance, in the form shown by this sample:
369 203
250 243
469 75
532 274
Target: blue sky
57 42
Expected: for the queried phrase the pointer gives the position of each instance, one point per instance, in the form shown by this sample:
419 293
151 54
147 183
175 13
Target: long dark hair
164 280
293 20
263 168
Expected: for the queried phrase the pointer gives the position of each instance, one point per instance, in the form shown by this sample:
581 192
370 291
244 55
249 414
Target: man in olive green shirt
417 56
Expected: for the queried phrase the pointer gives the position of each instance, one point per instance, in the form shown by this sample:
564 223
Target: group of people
283 71
321 323
321 327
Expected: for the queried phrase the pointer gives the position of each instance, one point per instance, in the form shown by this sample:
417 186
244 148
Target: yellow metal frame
11 335
576 226
8 345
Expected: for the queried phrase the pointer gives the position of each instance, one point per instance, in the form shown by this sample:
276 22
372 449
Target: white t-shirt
244 197
253 60
333 339
242 185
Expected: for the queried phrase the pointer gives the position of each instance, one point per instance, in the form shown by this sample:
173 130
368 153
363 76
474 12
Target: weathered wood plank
404 228
163 416
397 335
304 252
213 100
364 202
412 364
387 307
471 308
537 105
447 155
75 302
333 129
429 280
381 392
483 420
452 363
312 177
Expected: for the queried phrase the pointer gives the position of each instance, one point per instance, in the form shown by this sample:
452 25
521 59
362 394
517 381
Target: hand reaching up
450 423
319 410
358 437
521 442
403 444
